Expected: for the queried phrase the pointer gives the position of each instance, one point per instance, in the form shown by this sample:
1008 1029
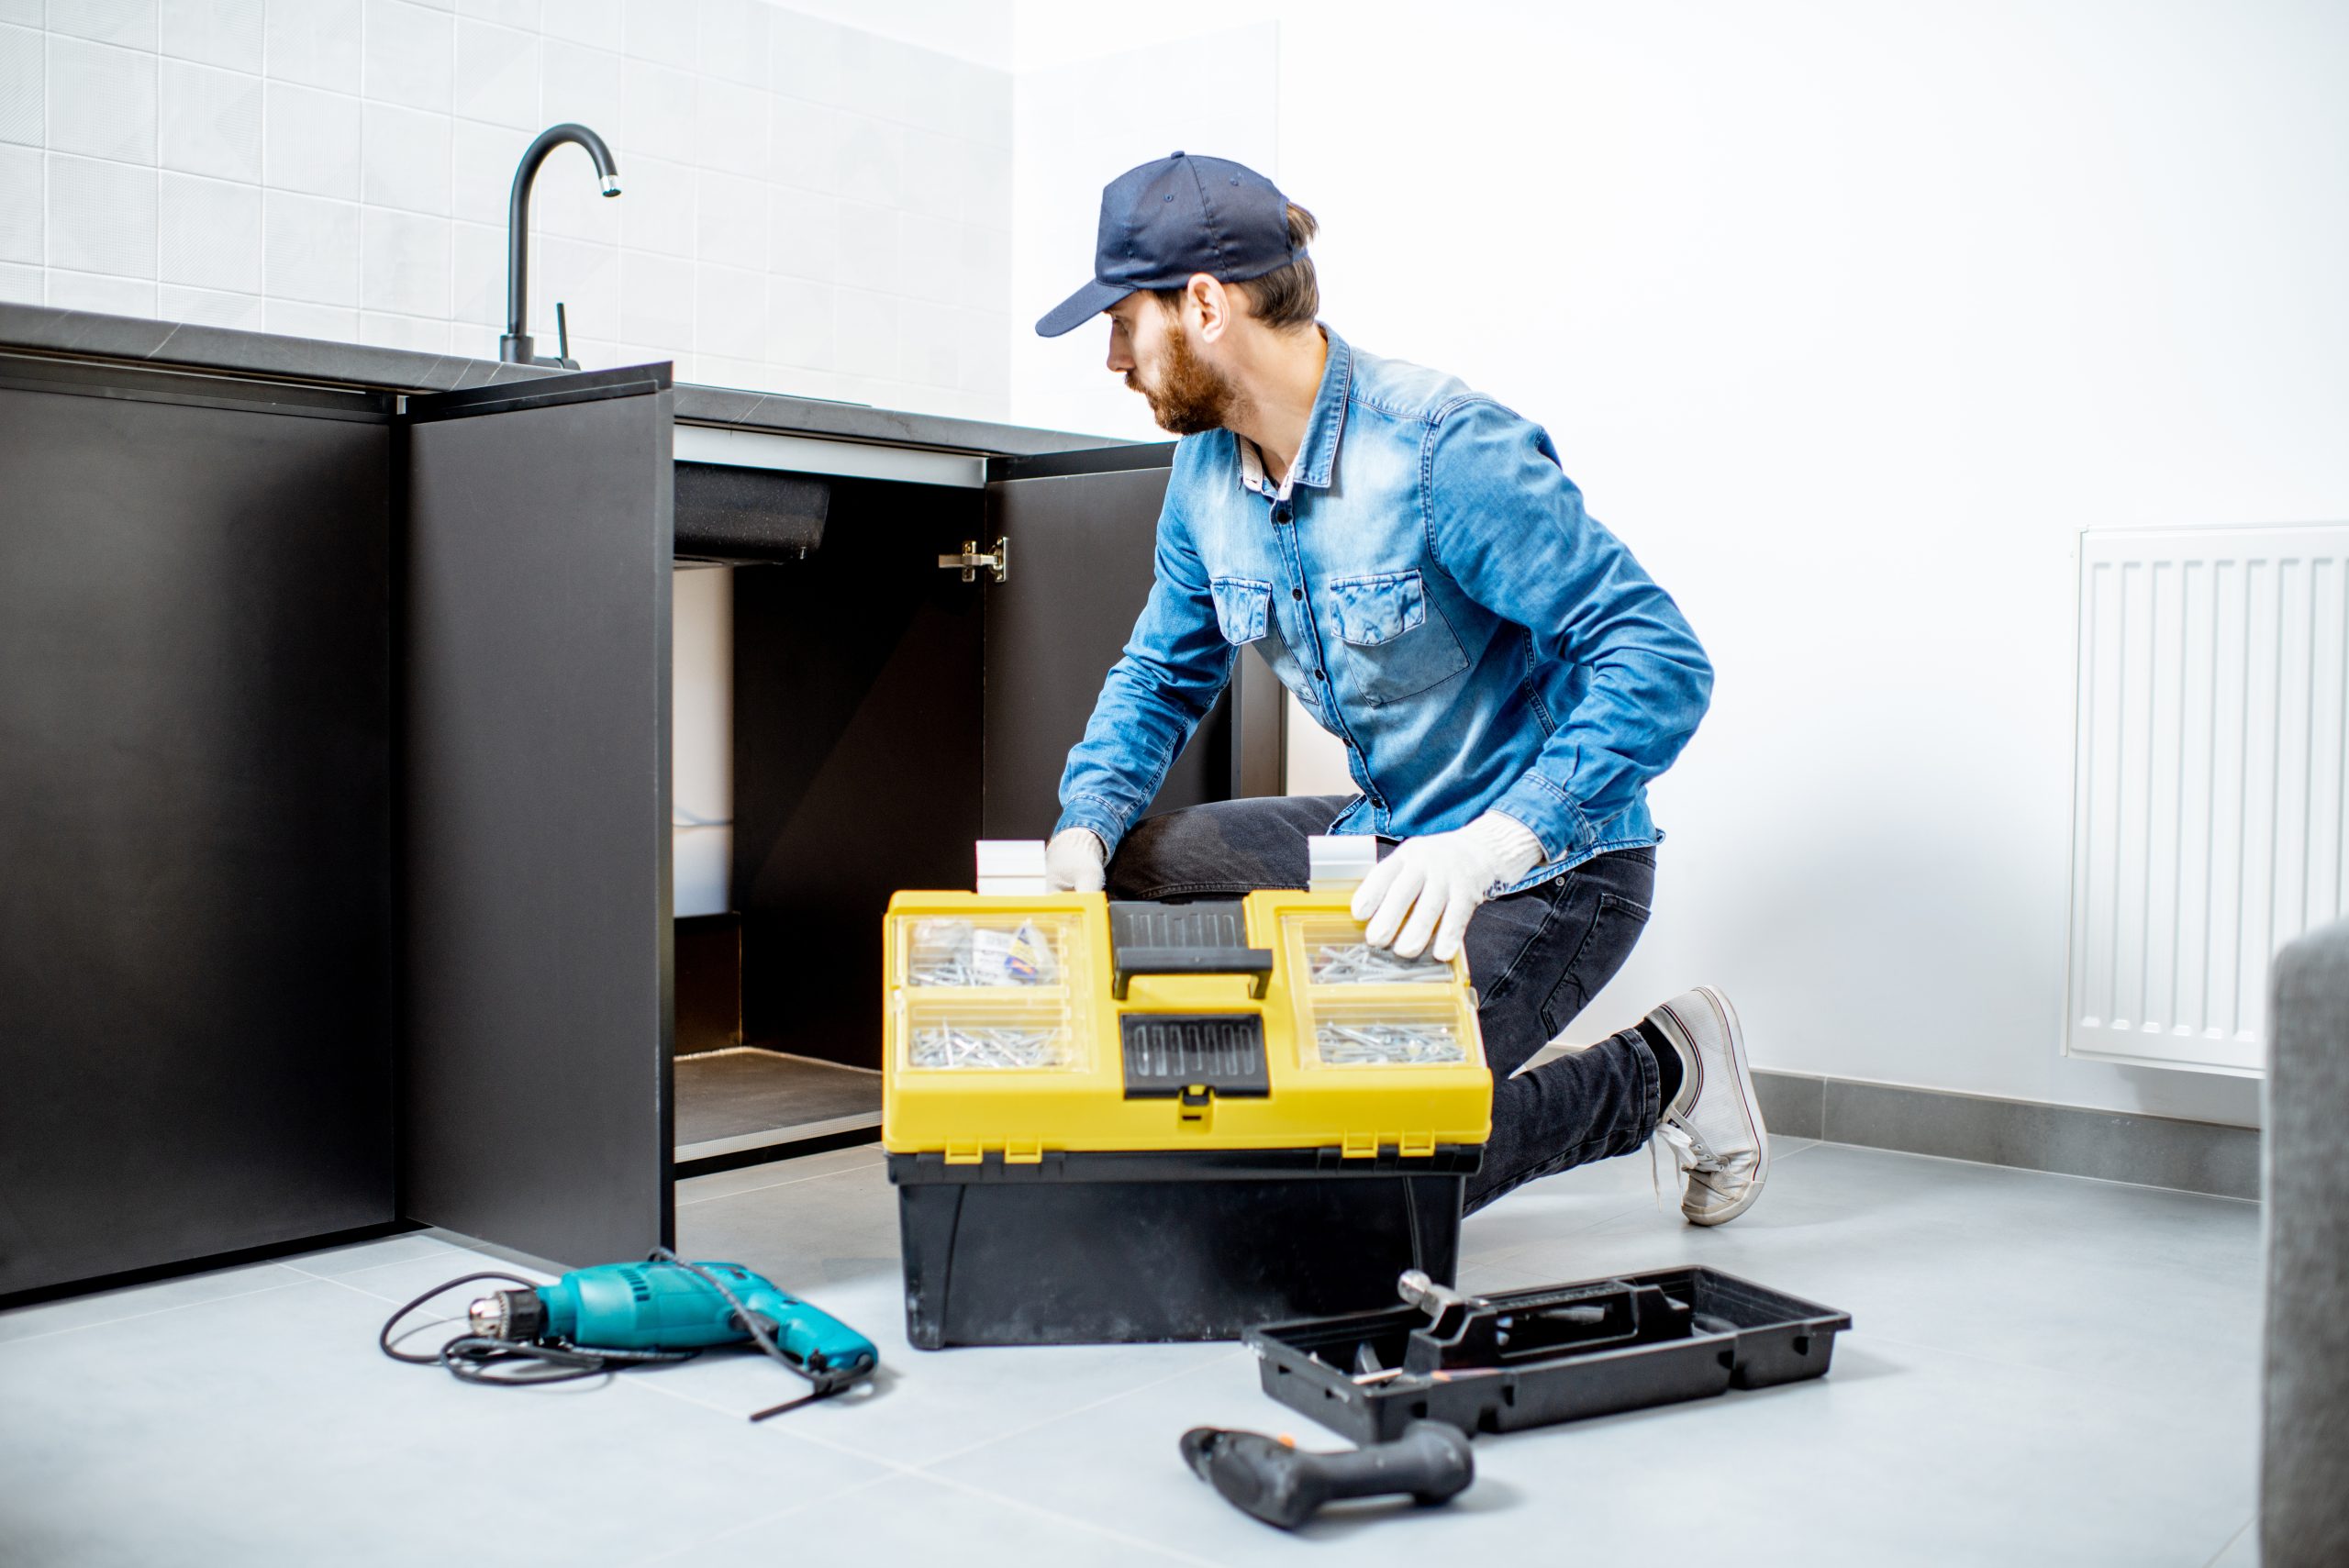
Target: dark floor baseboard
2113 1146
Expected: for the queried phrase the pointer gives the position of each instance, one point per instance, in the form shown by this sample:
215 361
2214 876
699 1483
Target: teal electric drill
663 1309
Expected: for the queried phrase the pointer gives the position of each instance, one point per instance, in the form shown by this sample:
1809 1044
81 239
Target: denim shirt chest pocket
1242 607
1397 643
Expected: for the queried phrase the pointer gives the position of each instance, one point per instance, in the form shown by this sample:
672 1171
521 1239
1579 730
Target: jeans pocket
1242 605
1397 643
1614 929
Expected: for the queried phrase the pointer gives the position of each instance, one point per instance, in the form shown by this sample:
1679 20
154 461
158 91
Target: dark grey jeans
1537 957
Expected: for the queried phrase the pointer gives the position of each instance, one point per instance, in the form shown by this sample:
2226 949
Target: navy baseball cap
1172 217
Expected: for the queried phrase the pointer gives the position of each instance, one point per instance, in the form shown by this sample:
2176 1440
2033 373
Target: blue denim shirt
1428 584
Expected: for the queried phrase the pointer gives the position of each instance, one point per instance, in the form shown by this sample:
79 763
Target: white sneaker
1714 1124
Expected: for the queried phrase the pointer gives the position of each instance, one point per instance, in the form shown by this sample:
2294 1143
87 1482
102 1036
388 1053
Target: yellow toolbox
1125 1120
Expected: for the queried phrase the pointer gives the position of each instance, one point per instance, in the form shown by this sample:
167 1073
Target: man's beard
1191 396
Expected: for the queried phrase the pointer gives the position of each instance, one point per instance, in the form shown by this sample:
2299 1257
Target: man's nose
1119 361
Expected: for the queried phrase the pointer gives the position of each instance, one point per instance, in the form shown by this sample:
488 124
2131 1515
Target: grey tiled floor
2045 1370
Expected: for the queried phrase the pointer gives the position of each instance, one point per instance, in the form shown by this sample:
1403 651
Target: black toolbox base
1747 1335
996 1260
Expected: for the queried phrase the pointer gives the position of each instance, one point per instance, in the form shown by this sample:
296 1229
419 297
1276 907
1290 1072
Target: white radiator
2210 785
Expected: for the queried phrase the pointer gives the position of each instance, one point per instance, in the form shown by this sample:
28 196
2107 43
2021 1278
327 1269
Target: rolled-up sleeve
1508 526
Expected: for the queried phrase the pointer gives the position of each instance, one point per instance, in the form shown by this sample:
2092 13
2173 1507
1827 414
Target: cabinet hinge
997 564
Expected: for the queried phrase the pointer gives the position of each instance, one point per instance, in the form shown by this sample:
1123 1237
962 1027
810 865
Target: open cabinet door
533 607
1081 531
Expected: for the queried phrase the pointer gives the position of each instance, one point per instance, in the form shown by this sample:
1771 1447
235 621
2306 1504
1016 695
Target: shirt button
1297 593
1320 674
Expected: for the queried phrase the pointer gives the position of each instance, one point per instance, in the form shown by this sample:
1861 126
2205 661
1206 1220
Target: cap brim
1079 308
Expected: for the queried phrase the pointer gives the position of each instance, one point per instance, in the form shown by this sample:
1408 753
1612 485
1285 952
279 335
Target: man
1408 557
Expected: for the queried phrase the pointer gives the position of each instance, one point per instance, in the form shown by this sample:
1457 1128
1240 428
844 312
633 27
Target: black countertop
81 334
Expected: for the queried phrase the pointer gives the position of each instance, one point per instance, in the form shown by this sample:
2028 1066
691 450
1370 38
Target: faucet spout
516 347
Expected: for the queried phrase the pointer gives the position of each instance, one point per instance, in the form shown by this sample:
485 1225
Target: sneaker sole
1746 1097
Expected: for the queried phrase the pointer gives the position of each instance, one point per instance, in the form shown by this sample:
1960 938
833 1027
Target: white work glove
1438 879
1073 862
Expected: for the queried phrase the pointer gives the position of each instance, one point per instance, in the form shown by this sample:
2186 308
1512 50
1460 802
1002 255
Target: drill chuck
508 1315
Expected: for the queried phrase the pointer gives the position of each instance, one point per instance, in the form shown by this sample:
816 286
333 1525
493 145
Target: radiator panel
2210 783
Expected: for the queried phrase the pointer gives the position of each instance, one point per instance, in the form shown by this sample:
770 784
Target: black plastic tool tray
1640 1340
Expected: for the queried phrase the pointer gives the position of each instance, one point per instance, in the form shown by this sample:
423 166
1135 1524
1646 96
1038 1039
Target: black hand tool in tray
1528 1358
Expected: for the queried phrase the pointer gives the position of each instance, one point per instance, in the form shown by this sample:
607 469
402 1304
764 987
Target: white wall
808 206
1846 317
1074 127
701 738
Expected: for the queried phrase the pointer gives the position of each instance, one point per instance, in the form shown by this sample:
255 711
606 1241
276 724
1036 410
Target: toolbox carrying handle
1255 962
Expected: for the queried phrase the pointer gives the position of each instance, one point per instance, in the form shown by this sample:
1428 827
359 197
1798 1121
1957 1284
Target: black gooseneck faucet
516 347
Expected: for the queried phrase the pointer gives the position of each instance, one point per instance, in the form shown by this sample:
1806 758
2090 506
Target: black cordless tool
1282 1485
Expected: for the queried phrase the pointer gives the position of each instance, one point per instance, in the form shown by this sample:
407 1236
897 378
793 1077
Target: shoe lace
1688 1153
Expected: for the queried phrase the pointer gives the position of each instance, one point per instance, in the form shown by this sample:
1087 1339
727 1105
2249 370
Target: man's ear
1206 299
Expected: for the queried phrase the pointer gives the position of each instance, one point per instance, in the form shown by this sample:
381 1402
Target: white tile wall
315 42
310 141
210 308
208 233
309 250
808 207
404 159
131 22
101 100
408 54
211 121
215 32
22 222
23 78
101 217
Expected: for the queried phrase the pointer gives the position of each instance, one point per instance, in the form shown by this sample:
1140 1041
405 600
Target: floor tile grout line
2035 1171
375 1295
925 1467
1039 1509
1608 1219
899 1472
894 1466
929 1464
158 1311
1483 1259
1630 1207
733 1530
2229 1544
392 1264
2082 1379
786 1182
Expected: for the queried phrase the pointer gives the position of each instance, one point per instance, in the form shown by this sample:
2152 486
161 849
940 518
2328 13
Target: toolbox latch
969 1153
1024 1151
1359 1146
1175 1056
1416 1145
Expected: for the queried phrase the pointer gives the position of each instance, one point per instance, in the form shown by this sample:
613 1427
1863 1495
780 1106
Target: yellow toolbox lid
1027 1025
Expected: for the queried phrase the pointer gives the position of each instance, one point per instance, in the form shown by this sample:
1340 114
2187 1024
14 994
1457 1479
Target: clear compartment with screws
1336 952
1398 1032
964 950
1006 1036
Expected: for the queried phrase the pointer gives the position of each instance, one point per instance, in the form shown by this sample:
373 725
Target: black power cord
476 1358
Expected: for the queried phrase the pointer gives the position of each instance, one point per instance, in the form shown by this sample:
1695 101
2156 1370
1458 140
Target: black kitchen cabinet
195 806
334 762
